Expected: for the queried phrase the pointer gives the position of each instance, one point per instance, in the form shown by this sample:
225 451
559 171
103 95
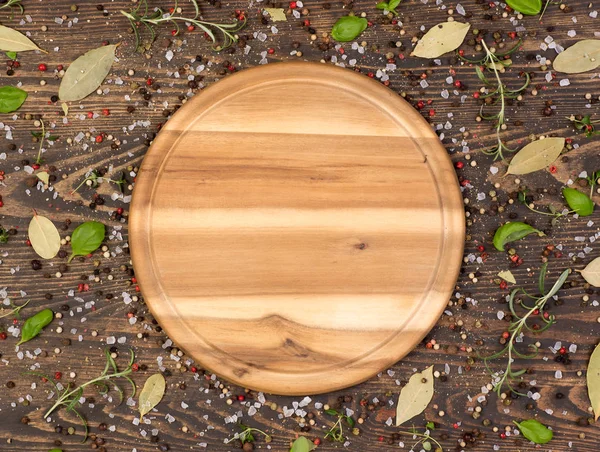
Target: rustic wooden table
98 297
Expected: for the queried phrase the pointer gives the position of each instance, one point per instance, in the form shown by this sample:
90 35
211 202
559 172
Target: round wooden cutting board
297 228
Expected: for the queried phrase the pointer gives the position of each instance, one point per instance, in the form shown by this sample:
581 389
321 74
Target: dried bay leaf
582 56
441 38
151 394
14 41
44 177
415 396
44 237
277 14
87 73
593 381
536 156
507 276
591 273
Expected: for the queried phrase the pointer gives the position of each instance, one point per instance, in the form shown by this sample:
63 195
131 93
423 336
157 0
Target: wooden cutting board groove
297 228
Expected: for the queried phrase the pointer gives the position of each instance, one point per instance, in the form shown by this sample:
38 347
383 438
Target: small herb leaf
44 237
536 156
591 273
527 7
382 5
151 394
534 431
86 73
579 202
511 232
302 445
14 41
11 99
441 38
34 325
12 55
348 28
415 396
582 56
86 238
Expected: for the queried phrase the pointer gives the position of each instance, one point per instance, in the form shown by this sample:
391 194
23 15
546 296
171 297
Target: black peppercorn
36 264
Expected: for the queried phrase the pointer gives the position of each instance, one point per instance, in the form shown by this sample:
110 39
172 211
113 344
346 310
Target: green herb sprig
3 235
69 398
336 432
389 6
585 124
593 180
522 196
95 178
143 15
497 91
423 438
13 4
247 436
15 311
520 325
41 136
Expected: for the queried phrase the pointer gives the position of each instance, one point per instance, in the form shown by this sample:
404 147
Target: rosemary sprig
95 178
15 311
497 91
69 398
143 15
246 436
336 432
519 325
424 438
13 4
585 124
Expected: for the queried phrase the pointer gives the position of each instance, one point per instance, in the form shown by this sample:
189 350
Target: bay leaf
151 394
15 41
65 108
582 56
44 177
441 38
44 237
415 396
591 273
536 156
277 14
593 381
87 73
507 275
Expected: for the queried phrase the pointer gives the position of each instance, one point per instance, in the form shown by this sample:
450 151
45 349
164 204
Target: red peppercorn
506 335
241 398
420 104
174 32
461 52
42 67
3 335
503 435
459 165
134 280
476 94
35 166
481 248
457 83
16 64
562 350
58 375
380 439
106 112
99 139
120 211
60 67
503 285
317 441
194 369
2 205
90 114
455 425
135 367
431 112
28 242
149 81
546 315
370 75
306 23
191 28
536 311
293 5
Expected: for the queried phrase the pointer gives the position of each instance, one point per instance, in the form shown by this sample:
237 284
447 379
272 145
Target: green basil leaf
382 5
430 425
86 238
393 4
534 431
510 232
527 7
34 325
331 412
579 202
302 445
348 28
11 98
12 55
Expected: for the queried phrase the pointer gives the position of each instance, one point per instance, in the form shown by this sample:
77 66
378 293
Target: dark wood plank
206 406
